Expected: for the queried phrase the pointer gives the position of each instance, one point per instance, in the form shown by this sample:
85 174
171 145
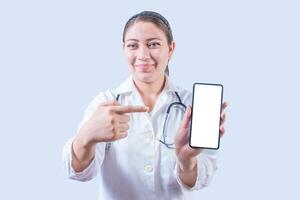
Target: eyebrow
146 39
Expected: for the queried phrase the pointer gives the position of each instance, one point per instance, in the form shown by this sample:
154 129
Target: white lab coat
139 166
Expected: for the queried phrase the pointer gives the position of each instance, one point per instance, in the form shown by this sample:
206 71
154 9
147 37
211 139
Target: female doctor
125 136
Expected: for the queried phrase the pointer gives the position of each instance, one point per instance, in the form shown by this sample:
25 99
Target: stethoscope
176 104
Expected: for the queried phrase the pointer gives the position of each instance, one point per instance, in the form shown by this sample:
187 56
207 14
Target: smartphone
206 115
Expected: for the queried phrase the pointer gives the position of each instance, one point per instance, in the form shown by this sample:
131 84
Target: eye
153 45
131 46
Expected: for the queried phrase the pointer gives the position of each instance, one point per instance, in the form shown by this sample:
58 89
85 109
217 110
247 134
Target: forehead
143 31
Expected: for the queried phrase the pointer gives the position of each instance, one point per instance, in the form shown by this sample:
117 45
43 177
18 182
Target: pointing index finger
129 109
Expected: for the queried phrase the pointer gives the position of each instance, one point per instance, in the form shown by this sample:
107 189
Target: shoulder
106 95
111 94
103 96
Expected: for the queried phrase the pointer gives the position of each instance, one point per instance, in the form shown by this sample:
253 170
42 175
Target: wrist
82 154
83 141
86 136
187 164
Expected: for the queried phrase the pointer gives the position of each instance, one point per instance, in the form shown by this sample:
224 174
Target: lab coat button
148 168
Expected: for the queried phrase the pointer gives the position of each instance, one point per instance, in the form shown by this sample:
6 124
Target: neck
150 89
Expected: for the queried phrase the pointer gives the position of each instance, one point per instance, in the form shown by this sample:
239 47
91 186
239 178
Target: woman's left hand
185 154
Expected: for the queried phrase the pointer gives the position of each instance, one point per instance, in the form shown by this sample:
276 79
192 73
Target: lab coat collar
128 86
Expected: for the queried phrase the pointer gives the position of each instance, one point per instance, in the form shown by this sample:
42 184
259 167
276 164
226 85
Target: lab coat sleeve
91 171
206 168
88 173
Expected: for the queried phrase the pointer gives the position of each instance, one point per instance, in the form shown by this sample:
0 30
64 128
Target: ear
171 49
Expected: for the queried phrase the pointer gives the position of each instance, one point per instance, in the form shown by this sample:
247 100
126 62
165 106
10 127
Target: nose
143 53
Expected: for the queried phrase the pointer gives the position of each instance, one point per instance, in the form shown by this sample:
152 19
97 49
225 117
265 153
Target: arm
80 157
87 172
206 166
85 153
82 153
108 123
194 166
187 171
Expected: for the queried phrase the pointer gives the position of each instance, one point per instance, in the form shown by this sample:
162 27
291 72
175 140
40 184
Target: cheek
161 57
129 58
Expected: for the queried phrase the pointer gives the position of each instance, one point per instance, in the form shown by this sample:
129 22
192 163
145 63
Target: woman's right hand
109 122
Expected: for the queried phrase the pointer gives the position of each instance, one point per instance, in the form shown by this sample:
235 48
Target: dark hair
155 18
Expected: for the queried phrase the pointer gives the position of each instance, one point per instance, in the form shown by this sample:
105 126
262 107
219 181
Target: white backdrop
55 56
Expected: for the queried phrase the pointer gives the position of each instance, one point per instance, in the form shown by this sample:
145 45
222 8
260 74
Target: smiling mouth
144 67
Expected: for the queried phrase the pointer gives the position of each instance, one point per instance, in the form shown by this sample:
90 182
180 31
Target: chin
144 77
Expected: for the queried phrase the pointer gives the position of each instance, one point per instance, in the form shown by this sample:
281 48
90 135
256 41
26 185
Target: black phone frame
190 130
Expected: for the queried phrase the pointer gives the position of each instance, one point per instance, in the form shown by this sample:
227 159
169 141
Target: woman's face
147 51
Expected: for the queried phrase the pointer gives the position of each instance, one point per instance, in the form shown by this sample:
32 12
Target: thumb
186 118
110 103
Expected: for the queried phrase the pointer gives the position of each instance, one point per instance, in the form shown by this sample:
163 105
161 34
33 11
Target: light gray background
55 56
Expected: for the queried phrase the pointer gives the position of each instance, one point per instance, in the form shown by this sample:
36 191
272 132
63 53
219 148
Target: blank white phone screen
205 124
